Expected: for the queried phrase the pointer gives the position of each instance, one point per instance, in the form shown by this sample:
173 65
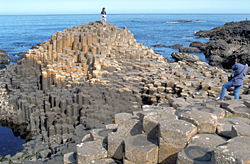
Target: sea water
18 33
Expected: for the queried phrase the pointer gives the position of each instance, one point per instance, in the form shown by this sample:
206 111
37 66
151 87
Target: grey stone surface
70 158
139 149
174 135
199 149
89 151
100 134
235 150
205 122
130 127
151 122
105 161
224 126
240 130
116 146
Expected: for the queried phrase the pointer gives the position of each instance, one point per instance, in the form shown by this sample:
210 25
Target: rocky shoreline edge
226 42
92 94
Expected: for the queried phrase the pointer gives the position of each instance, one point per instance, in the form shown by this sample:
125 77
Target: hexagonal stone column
174 135
151 121
100 134
205 122
199 149
236 150
139 149
224 127
116 146
89 151
130 127
240 130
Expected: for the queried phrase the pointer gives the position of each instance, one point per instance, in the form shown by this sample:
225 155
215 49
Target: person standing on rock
103 14
240 67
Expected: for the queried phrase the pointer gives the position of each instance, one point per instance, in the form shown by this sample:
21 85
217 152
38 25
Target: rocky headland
230 40
93 94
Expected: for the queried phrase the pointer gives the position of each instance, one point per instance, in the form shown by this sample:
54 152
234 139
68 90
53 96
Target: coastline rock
181 21
220 50
185 57
176 46
83 77
199 45
4 59
21 56
159 45
232 32
231 40
189 50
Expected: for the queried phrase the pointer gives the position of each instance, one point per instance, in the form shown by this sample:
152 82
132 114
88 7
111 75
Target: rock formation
94 94
4 58
231 40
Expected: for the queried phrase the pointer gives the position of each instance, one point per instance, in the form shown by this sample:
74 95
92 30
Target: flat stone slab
104 161
120 117
224 126
236 150
139 149
199 149
219 112
205 122
100 134
212 103
237 107
174 135
240 130
90 151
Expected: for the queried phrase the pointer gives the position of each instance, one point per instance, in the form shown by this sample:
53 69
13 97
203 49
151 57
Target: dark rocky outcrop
4 59
231 40
21 56
159 45
189 50
232 32
176 46
199 45
185 57
181 21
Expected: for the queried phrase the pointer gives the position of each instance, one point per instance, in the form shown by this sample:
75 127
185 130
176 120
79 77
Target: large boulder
221 48
199 45
189 49
4 57
185 57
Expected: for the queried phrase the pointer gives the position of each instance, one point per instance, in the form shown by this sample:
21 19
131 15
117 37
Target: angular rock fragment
139 149
174 135
90 151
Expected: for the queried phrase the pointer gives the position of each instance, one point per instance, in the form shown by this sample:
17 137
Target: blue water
9 144
20 33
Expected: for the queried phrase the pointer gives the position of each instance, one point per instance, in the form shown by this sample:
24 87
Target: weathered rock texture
231 40
68 88
4 59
